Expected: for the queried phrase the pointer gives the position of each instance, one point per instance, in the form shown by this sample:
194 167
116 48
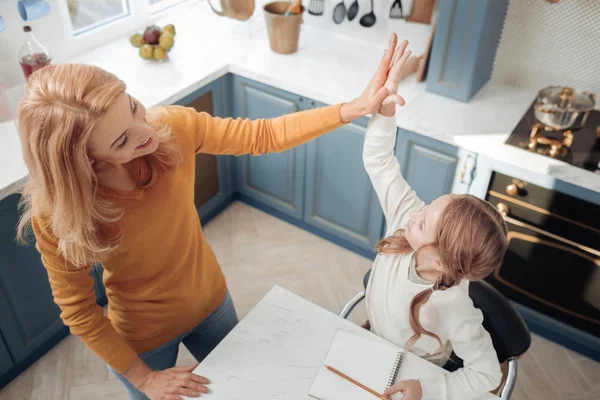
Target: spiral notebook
371 363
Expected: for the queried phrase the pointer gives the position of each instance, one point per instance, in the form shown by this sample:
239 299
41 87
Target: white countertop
328 68
278 348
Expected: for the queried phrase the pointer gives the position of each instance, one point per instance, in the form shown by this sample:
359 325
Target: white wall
48 31
379 32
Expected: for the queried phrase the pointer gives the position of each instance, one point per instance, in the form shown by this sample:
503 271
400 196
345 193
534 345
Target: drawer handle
517 187
467 170
503 209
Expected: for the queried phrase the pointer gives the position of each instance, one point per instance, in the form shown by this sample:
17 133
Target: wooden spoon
294 8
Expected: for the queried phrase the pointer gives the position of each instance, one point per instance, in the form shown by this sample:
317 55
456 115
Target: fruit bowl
155 43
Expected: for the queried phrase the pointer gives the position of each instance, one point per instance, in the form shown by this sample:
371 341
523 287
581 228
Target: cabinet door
429 166
464 47
339 196
28 315
212 180
6 362
274 179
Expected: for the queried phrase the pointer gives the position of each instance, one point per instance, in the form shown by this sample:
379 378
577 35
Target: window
158 5
89 14
92 23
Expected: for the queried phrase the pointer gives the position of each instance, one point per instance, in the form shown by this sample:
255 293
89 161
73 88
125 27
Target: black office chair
509 333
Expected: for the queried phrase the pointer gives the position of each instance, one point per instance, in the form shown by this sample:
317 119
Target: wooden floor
256 252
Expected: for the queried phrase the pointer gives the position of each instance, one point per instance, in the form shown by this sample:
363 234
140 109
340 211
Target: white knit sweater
450 313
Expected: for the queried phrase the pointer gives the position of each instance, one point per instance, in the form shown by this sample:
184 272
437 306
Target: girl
417 296
111 183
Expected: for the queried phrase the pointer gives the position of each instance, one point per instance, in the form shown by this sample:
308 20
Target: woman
111 183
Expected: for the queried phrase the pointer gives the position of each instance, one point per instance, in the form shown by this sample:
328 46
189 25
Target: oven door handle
504 210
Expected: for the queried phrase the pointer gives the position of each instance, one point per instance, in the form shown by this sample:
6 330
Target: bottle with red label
33 55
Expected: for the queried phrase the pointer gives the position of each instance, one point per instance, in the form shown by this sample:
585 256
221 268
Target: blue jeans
200 341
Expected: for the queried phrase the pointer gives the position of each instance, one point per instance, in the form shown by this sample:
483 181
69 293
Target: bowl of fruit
155 43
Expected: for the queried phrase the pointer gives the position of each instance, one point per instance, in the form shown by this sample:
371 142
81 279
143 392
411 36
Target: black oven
553 260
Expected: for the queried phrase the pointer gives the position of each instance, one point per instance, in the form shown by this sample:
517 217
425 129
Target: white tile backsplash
545 44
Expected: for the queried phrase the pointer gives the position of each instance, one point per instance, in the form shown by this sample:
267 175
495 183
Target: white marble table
277 349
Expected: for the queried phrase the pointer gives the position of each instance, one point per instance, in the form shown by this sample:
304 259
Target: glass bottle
32 55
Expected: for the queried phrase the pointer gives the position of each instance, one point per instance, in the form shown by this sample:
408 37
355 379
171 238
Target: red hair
471 241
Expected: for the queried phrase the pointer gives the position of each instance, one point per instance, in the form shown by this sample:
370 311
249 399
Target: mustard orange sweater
165 279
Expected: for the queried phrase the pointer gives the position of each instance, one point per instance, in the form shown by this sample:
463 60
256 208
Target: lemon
146 52
166 41
137 40
169 28
160 54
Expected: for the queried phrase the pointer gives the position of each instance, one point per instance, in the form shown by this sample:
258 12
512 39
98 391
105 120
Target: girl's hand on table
410 389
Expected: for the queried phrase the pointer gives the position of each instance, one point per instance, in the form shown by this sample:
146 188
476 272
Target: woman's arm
215 135
236 136
73 292
397 198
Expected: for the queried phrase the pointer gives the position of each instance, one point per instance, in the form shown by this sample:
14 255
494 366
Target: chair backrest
505 325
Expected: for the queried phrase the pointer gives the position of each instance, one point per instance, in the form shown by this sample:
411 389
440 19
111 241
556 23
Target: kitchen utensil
563 108
368 20
421 11
236 9
396 10
339 12
353 10
424 61
284 32
316 7
410 66
294 8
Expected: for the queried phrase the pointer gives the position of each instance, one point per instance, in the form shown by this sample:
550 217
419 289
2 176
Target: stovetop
584 151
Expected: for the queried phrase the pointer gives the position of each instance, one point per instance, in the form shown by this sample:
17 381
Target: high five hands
380 95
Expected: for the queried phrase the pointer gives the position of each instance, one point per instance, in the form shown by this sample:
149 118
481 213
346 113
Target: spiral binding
395 369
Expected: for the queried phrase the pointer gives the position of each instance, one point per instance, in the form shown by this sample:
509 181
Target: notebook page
364 360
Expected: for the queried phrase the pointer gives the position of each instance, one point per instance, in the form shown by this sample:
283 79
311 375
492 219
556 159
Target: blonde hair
471 241
61 106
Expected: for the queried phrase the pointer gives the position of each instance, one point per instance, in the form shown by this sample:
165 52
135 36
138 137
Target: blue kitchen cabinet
339 197
277 179
464 47
6 361
97 272
433 168
213 175
29 320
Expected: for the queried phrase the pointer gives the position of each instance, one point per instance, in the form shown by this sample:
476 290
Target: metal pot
563 108
236 9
